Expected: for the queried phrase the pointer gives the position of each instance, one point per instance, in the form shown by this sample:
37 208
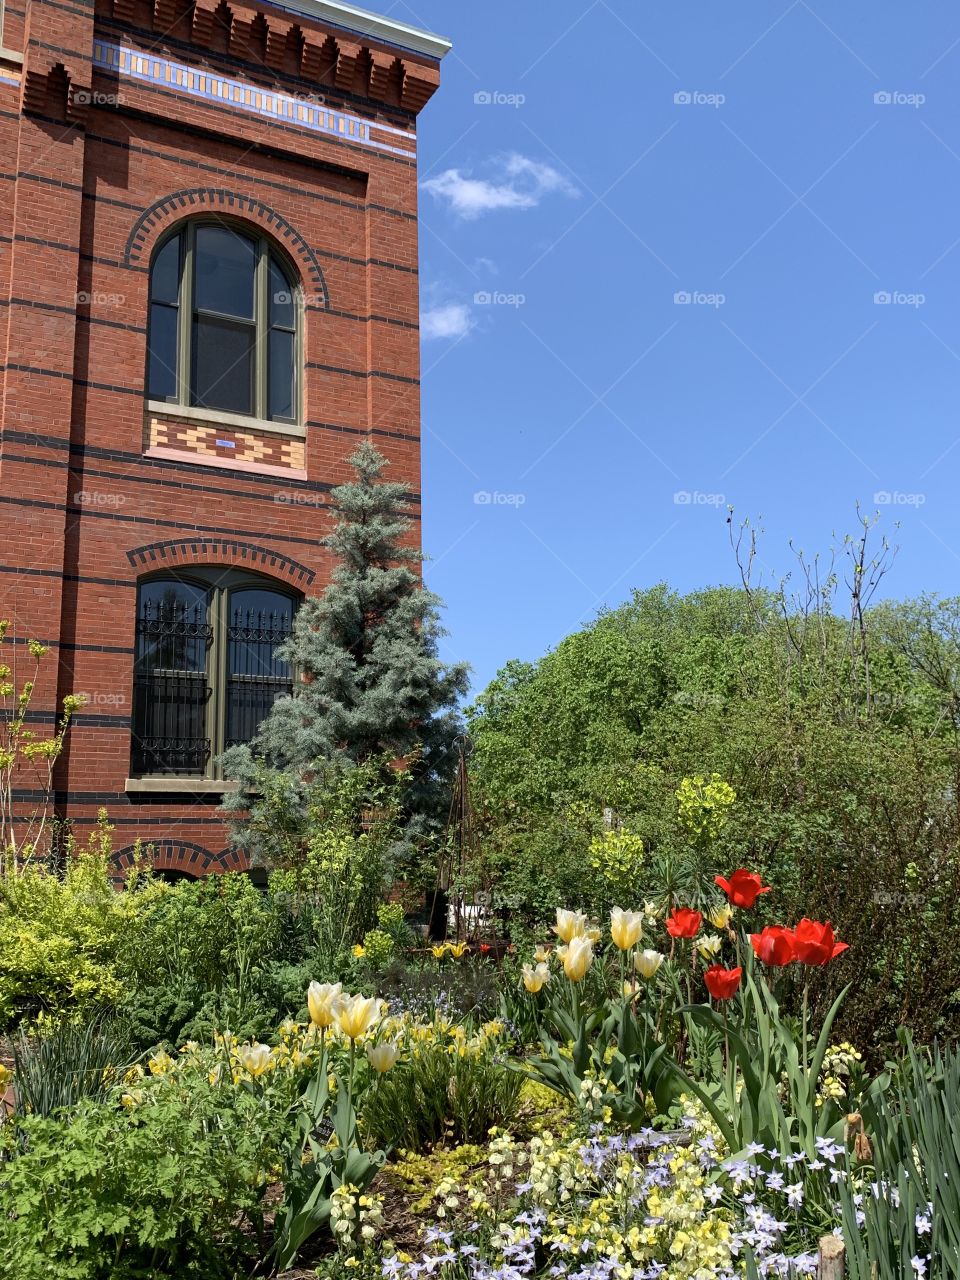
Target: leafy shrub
449 1087
164 1190
60 937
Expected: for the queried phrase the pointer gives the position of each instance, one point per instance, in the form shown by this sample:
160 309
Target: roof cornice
374 25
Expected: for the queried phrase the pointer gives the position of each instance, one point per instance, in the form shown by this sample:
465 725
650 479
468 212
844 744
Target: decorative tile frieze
221 91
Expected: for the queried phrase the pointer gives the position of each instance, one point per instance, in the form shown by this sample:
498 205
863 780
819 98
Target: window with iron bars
206 669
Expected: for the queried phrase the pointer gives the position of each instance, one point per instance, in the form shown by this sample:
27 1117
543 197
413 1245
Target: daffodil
358 1014
359 951
570 924
576 957
383 1056
534 979
647 963
323 1001
625 928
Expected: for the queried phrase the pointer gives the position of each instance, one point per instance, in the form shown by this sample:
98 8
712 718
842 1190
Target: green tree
372 685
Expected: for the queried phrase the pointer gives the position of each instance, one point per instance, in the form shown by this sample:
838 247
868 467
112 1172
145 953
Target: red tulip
775 946
722 984
814 942
683 922
743 888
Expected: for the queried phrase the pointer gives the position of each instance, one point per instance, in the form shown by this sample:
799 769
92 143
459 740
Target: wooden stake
830 1264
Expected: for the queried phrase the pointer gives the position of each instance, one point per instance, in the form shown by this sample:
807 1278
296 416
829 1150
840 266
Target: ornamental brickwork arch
181 855
196 200
222 552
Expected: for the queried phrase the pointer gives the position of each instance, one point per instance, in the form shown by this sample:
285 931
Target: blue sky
793 172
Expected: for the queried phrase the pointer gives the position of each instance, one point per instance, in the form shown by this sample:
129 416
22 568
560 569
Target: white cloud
515 182
448 320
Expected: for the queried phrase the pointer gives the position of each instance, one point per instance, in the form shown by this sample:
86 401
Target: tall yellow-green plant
25 754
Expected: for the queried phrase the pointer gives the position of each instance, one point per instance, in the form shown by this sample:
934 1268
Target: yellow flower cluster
592 1205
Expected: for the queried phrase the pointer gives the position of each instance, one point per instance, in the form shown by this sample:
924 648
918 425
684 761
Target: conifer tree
371 683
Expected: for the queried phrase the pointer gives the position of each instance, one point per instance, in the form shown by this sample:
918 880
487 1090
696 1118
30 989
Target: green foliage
26 759
843 748
59 1064
448 1089
911 1197
373 685
164 1190
313 1170
60 937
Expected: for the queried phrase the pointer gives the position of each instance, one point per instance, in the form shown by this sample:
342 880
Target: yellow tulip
647 963
384 1055
6 1075
323 1001
357 1014
577 956
570 925
626 928
458 950
541 955
710 946
720 917
439 952
255 1058
535 978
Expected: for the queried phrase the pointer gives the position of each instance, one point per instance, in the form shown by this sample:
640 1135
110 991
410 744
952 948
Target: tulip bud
383 1056
570 924
576 957
358 1014
647 963
323 1001
626 928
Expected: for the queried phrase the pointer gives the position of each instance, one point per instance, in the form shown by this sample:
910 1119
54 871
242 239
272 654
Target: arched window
206 670
223 323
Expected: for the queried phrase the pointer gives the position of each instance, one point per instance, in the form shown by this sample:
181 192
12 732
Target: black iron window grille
206 670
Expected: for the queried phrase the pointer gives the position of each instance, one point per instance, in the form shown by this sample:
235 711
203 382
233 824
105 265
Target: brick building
208 296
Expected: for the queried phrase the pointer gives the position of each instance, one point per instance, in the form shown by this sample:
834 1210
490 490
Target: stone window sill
8 55
214 418
179 786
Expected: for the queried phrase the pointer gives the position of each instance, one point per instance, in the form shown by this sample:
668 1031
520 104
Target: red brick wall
97 167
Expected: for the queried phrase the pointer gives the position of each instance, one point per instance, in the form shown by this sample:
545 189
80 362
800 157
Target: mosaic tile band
224 91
